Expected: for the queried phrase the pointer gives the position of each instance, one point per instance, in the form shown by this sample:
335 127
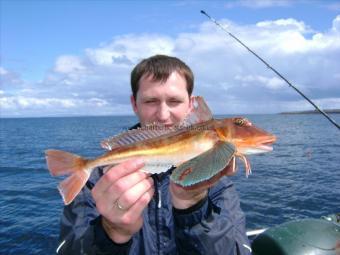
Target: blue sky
66 58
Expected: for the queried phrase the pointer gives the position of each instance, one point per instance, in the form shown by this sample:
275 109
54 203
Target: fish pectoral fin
205 166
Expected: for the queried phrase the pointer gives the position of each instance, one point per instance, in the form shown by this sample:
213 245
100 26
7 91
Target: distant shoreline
313 111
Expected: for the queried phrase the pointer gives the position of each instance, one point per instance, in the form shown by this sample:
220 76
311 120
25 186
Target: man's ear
133 103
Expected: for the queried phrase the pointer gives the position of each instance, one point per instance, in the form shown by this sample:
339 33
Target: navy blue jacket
216 225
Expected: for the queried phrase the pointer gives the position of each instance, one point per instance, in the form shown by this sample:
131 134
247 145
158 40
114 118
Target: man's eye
150 101
174 102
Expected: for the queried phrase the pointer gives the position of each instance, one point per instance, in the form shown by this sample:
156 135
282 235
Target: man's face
165 103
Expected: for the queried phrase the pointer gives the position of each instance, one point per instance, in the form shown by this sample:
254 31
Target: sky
74 58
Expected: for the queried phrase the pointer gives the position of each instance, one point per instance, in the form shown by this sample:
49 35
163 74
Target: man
126 211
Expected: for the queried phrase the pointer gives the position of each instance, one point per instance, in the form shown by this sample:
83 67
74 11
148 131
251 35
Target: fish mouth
266 145
262 146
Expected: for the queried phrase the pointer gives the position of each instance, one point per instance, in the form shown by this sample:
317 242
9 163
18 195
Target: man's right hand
121 195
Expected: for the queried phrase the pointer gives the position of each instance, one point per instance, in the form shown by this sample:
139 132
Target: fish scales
179 146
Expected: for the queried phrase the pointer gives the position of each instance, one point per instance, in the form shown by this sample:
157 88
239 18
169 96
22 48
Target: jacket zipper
157 207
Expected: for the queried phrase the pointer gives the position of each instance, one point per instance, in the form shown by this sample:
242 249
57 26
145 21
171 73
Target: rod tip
203 12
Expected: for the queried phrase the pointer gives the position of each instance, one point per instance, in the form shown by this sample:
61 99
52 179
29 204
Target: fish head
247 138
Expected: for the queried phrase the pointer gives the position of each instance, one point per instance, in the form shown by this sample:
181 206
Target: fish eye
242 122
239 121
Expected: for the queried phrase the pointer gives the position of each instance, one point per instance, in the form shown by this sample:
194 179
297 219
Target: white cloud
336 25
68 64
271 83
258 4
3 71
9 78
290 24
227 75
32 106
291 36
98 102
31 102
129 49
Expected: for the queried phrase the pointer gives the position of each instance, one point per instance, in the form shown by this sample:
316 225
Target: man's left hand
185 197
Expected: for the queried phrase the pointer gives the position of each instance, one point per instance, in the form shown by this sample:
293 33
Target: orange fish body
166 150
199 150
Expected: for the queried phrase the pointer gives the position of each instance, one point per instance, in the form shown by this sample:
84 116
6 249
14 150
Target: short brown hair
160 67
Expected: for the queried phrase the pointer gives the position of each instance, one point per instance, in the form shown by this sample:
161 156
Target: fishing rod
271 68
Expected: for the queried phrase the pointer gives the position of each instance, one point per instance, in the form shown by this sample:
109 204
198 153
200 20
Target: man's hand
121 195
183 198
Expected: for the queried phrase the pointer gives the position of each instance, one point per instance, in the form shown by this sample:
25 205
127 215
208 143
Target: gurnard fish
200 148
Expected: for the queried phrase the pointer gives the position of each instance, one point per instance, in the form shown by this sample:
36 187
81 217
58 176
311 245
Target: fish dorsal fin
135 135
200 112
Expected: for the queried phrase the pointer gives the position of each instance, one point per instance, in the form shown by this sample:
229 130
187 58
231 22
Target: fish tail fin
64 163
72 185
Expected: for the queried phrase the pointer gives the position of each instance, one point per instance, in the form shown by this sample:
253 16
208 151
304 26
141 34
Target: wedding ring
119 206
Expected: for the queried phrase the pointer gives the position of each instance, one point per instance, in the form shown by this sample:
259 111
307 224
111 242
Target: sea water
300 178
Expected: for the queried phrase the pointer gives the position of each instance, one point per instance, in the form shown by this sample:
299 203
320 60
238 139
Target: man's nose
163 112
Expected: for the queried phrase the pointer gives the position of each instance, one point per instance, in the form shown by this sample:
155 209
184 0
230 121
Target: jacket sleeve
81 231
216 227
